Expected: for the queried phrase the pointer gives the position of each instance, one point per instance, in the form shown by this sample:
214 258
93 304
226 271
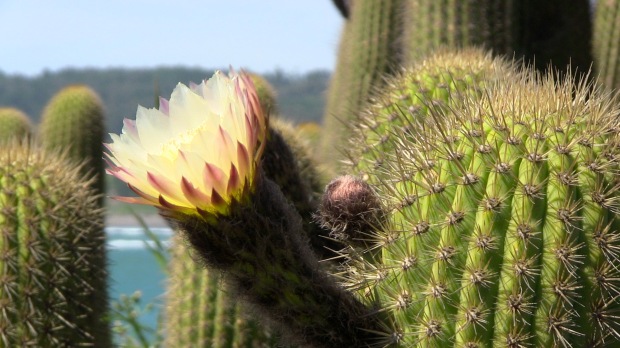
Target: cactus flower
198 152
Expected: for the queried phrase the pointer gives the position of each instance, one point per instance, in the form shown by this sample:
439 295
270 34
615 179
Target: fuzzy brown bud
350 209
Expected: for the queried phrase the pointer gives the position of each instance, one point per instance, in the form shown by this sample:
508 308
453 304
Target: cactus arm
268 264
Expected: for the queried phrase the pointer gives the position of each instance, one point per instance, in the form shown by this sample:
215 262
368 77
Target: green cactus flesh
73 121
503 225
14 124
437 82
267 94
369 49
605 41
52 270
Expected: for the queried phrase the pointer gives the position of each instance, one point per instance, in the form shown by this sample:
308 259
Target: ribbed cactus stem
52 246
73 121
503 213
554 32
606 39
201 311
369 49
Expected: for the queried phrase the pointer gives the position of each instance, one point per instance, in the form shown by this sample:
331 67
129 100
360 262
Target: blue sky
260 35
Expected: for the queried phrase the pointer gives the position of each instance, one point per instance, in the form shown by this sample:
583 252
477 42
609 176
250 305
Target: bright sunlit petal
195 154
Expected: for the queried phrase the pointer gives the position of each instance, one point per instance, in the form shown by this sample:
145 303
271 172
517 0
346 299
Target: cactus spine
51 241
503 219
437 82
73 121
14 124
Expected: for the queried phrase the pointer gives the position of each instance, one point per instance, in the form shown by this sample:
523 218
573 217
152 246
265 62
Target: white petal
153 127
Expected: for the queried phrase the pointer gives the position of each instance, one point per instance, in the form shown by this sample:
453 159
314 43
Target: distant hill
301 98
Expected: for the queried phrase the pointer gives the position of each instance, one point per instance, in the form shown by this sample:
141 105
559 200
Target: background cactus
369 49
554 32
606 37
73 121
14 124
436 82
202 312
502 219
378 37
52 291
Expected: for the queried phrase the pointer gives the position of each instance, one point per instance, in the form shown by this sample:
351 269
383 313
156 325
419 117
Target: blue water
133 267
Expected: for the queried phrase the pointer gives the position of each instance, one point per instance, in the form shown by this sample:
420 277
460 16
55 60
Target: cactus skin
14 124
369 48
606 37
73 121
374 43
260 248
554 31
438 81
51 241
503 220
201 312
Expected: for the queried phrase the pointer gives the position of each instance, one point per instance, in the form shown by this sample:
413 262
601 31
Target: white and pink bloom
198 152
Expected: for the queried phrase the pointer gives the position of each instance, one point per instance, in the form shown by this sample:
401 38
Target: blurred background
129 52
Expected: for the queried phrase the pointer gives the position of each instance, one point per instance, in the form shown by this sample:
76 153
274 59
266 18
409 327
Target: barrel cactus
502 217
52 277
14 124
73 121
439 81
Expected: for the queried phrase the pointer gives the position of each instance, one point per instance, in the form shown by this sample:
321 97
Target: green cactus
503 217
369 49
73 121
436 82
606 36
52 270
14 124
379 36
200 311
554 31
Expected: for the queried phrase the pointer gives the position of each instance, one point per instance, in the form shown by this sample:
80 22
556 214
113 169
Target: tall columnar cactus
606 40
502 224
52 275
554 31
439 81
14 124
369 49
202 312
73 121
